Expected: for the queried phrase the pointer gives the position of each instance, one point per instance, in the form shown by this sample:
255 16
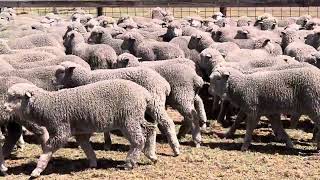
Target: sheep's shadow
265 149
60 165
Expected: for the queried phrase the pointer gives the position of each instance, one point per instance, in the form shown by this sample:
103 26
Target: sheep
174 29
50 62
81 111
148 50
39 76
159 13
26 56
5 49
34 40
91 24
182 42
185 85
101 35
72 75
14 130
243 21
107 22
271 95
200 41
99 56
295 47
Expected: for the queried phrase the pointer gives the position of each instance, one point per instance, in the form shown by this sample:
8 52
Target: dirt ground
216 159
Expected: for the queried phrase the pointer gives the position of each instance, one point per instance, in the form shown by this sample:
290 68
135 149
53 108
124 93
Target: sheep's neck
237 88
76 43
106 38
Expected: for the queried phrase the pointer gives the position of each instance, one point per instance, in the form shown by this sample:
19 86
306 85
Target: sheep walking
185 85
72 75
99 56
286 91
97 107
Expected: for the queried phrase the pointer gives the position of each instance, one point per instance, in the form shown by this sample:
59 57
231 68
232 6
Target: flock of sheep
74 77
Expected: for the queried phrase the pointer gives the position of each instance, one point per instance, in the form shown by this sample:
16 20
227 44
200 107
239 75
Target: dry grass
216 159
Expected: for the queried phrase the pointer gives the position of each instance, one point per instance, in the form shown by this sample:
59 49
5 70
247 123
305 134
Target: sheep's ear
126 61
226 75
208 55
71 35
265 42
28 95
70 69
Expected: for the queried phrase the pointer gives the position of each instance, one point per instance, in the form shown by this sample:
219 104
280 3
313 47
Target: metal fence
179 12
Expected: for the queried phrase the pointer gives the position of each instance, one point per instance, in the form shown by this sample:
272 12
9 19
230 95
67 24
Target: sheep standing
150 50
97 107
99 56
185 85
72 75
286 91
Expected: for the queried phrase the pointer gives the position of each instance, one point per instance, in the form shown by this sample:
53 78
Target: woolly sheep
34 40
185 85
124 103
99 56
148 50
72 75
229 84
101 35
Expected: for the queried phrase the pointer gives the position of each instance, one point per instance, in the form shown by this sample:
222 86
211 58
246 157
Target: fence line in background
179 12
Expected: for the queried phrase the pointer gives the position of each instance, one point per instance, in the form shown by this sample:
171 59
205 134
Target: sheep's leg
294 120
196 135
251 124
83 141
150 145
215 104
3 168
240 118
107 140
278 130
223 111
166 124
199 106
59 138
14 132
186 126
134 133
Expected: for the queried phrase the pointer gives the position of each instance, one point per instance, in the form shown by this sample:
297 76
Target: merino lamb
271 95
72 75
185 85
99 56
150 50
97 107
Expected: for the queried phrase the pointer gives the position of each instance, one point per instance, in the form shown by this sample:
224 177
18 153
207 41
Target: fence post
223 10
99 11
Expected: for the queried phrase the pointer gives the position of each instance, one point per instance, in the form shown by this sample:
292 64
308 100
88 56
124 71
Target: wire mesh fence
179 12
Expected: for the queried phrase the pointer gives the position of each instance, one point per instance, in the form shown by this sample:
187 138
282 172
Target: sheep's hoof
93 164
107 147
197 145
176 152
244 147
3 173
35 173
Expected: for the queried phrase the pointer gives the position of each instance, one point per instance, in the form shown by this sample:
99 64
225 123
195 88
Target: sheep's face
219 82
174 31
194 41
195 23
95 37
19 97
63 77
125 60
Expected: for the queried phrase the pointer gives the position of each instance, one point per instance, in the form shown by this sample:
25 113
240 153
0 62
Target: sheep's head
126 60
287 37
129 40
107 22
96 35
159 13
217 15
91 24
268 24
174 29
75 26
195 40
219 82
64 75
19 98
302 20
209 59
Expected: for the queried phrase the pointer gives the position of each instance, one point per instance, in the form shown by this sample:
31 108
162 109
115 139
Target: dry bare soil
216 159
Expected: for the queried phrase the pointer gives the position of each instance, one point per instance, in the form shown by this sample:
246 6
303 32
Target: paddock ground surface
216 159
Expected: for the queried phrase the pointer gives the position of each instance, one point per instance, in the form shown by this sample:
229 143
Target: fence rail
163 3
